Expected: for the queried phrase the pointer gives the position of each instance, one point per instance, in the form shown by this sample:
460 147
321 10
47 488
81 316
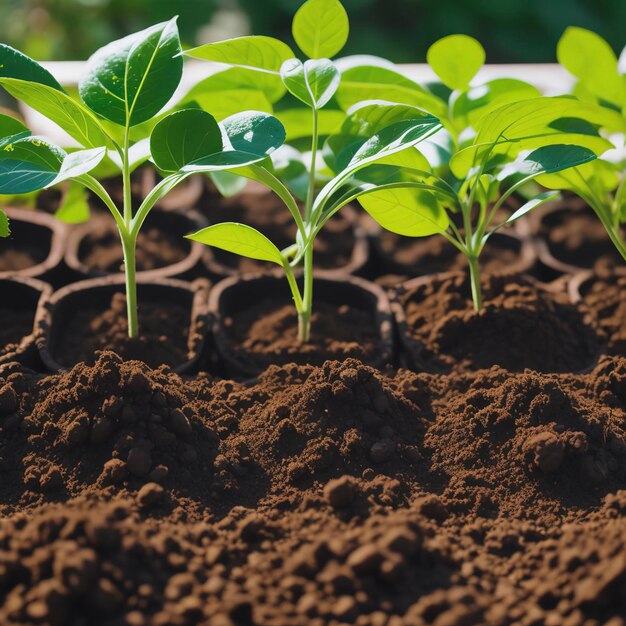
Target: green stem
293 285
614 235
311 189
304 316
128 247
129 242
477 296
128 202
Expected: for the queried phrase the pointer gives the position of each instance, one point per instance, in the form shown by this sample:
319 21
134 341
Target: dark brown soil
164 333
577 237
19 253
319 495
520 326
604 298
333 247
430 255
101 249
268 333
15 324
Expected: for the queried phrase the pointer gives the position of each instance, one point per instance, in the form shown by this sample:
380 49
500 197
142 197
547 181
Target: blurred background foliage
512 31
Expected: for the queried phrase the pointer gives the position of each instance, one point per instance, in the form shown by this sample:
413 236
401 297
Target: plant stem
128 247
606 217
304 316
129 242
477 296
311 189
615 237
128 202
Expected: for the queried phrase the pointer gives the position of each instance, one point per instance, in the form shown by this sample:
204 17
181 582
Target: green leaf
227 184
9 126
230 102
409 212
249 137
456 59
257 52
384 128
28 164
235 89
183 137
314 82
548 160
130 80
289 166
297 122
528 124
369 117
321 28
383 143
14 64
592 60
369 82
621 63
533 203
5 230
602 177
238 79
78 163
74 207
74 118
254 132
472 104
239 239
261 175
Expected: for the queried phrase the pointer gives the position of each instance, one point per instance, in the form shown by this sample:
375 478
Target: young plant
514 144
371 133
126 84
602 81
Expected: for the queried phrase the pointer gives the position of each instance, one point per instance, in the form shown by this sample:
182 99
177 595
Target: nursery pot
57 319
22 296
579 284
507 243
593 246
493 327
35 247
233 296
103 231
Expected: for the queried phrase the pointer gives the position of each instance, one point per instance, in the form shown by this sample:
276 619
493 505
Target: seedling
373 132
126 84
513 145
601 80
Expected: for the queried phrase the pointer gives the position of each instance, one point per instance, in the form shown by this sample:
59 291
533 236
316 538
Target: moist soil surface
101 249
164 333
430 255
604 300
15 324
267 333
17 254
333 247
318 495
578 238
521 325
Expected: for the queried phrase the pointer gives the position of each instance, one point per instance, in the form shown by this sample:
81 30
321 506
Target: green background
512 31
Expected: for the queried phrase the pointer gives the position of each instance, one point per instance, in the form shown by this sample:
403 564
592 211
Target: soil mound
520 326
533 446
